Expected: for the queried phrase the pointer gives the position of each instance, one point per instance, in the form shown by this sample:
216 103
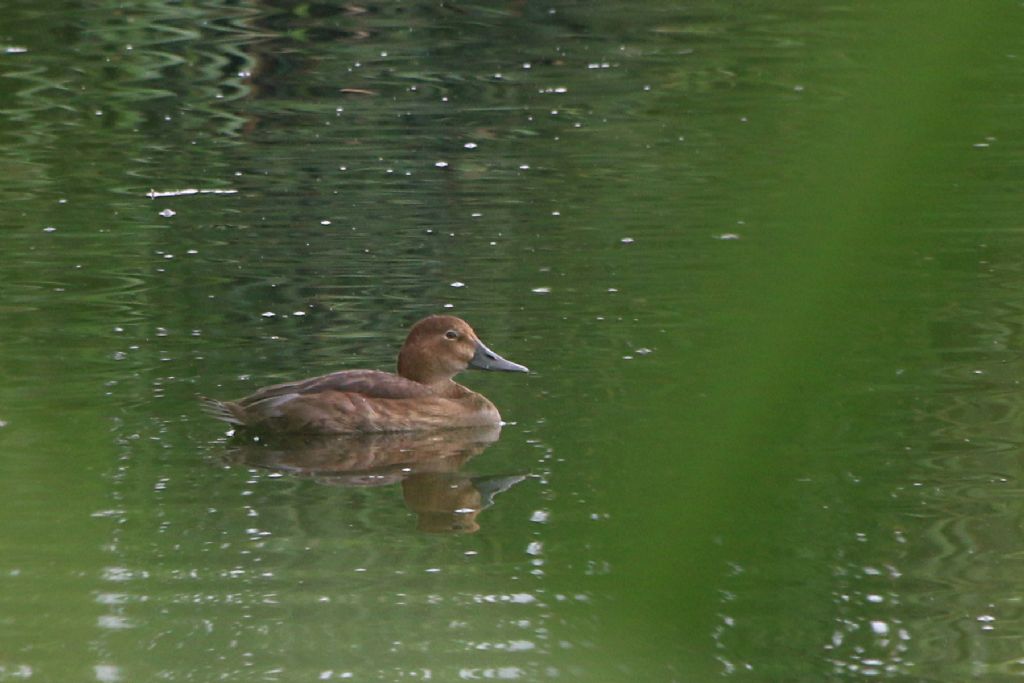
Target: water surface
761 260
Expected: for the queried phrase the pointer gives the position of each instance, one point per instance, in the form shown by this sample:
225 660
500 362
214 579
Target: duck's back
368 383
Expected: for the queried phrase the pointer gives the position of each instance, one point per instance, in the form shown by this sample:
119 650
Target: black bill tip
485 359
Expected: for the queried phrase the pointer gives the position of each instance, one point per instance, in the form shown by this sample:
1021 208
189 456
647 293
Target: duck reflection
425 464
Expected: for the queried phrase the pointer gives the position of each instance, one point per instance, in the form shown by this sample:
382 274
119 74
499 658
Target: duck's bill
485 359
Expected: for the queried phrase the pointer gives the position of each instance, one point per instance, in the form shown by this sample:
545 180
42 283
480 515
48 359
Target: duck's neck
419 372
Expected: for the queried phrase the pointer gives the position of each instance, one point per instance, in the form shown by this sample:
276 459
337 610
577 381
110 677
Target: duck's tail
220 410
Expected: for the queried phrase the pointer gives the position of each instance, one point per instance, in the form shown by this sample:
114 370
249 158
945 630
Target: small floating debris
153 194
727 236
627 240
541 290
113 512
167 213
458 284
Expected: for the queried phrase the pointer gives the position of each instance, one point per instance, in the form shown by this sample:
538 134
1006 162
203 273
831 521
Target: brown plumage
421 396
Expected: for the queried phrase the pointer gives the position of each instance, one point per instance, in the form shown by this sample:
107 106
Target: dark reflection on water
425 465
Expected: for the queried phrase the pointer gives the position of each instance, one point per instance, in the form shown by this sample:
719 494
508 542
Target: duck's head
442 346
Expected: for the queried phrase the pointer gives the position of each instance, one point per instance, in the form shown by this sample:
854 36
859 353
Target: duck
422 395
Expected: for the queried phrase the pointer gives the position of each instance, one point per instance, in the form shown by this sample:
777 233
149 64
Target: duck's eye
451 334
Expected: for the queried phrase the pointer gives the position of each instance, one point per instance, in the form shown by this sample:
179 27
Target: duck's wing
367 383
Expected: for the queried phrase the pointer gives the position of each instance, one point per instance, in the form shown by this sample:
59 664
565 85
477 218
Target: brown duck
422 395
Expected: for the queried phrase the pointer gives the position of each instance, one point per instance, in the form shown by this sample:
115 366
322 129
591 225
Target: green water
764 263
